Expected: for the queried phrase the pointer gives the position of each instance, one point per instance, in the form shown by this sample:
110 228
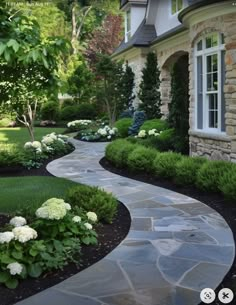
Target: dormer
134 15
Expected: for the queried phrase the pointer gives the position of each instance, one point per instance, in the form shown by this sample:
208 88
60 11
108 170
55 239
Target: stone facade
223 146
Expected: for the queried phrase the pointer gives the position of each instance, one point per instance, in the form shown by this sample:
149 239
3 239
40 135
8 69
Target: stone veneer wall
213 146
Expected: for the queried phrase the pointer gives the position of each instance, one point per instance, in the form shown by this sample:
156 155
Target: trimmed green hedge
123 127
95 200
157 124
210 176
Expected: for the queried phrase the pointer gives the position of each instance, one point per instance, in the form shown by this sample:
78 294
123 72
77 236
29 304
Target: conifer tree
126 90
149 93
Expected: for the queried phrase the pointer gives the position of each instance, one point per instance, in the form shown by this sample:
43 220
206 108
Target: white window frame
205 94
177 7
127 32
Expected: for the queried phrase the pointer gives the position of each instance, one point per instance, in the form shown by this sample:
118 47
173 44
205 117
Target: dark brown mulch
109 237
216 201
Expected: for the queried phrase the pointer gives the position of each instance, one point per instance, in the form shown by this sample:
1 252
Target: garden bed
109 237
216 201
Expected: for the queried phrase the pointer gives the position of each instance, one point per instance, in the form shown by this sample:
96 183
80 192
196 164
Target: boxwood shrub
187 169
227 183
123 126
157 124
165 164
117 152
209 175
141 159
95 200
10 158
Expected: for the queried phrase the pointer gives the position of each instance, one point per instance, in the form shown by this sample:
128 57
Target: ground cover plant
207 175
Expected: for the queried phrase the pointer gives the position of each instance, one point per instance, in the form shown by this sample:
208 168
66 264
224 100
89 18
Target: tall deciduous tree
28 65
110 73
149 93
105 39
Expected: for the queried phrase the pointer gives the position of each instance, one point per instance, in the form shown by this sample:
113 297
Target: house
201 36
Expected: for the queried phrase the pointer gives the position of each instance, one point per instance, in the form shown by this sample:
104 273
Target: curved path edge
176 245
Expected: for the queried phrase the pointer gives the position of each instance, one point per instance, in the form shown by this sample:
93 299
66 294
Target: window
128 26
209 81
176 6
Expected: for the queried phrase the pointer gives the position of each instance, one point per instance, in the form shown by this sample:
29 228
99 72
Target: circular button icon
207 296
226 295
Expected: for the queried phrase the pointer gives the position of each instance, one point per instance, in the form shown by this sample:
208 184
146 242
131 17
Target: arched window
209 83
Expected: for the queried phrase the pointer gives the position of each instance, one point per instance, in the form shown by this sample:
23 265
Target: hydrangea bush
51 144
50 241
105 133
150 133
79 125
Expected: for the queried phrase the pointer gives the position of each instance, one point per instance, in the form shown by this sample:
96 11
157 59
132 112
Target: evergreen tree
126 88
149 93
179 106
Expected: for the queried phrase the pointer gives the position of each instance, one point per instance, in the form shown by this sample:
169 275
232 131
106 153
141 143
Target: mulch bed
216 201
109 237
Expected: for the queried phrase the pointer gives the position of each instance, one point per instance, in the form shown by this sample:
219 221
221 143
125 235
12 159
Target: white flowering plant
49 241
79 125
104 133
150 133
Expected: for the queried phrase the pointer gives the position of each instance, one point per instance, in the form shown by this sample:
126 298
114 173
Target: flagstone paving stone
175 247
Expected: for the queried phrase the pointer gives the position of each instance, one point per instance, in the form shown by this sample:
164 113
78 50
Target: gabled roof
138 2
144 35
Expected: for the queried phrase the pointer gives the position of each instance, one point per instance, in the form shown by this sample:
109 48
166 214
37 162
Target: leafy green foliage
208 176
149 93
141 159
10 158
187 170
77 112
50 111
227 183
118 152
157 124
93 199
5 122
123 126
165 164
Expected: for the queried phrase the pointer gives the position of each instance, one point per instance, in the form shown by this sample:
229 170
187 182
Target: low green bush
141 159
227 183
157 124
10 158
5 122
210 173
50 111
165 164
78 112
187 169
93 199
117 152
123 126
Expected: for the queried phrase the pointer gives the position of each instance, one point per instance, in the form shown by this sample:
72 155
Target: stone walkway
176 245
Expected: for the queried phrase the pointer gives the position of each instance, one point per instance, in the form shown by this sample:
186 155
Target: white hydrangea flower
6 237
111 132
47 140
15 268
92 216
142 134
76 219
28 145
67 206
152 132
36 144
53 208
24 234
18 221
88 226
109 137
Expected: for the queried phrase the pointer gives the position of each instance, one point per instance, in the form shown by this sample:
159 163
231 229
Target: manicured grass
23 193
16 137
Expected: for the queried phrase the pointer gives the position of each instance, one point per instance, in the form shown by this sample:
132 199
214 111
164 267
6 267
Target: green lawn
16 137
20 193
